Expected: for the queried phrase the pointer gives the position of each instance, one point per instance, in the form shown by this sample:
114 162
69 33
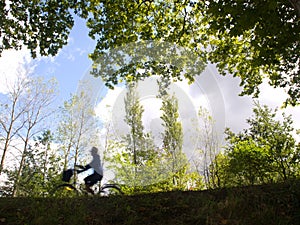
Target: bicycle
77 189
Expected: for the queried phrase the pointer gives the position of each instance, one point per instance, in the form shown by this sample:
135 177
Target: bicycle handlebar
80 166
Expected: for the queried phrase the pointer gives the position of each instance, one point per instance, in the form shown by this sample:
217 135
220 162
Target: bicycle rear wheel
110 189
65 190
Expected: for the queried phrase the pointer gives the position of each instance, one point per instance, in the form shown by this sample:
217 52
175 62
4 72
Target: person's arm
87 167
83 168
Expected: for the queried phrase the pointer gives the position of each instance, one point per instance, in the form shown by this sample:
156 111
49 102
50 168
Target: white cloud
13 64
112 110
239 108
273 97
104 108
218 94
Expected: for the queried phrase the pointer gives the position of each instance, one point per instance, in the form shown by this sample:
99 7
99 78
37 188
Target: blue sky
68 67
72 62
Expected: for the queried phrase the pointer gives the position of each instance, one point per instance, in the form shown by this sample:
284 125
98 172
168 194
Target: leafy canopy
251 39
256 39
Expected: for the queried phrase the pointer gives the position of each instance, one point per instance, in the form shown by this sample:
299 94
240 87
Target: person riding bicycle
96 165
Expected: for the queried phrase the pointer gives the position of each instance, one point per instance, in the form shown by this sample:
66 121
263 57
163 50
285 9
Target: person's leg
92 180
89 183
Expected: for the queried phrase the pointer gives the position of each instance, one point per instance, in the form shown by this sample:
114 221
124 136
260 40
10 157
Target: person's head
94 151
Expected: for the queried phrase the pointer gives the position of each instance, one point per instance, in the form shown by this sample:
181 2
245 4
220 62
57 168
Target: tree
173 140
218 32
250 41
25 107
134 158
42 26
77 129
135 138
249 162
222 175
265 152
208 149
279 136
246 38
12 109
155 26
38 96
39 170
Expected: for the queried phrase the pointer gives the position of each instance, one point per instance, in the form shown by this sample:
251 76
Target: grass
257 205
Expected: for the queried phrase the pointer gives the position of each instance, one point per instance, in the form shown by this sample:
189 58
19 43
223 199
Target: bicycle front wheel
110 189
65 191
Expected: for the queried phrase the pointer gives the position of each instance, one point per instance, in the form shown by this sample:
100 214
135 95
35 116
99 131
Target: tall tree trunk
17 180
4 154
8 135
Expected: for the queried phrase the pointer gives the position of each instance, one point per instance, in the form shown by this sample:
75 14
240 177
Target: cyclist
96 165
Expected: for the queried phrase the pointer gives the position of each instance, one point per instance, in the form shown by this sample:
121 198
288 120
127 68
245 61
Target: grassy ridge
257 205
